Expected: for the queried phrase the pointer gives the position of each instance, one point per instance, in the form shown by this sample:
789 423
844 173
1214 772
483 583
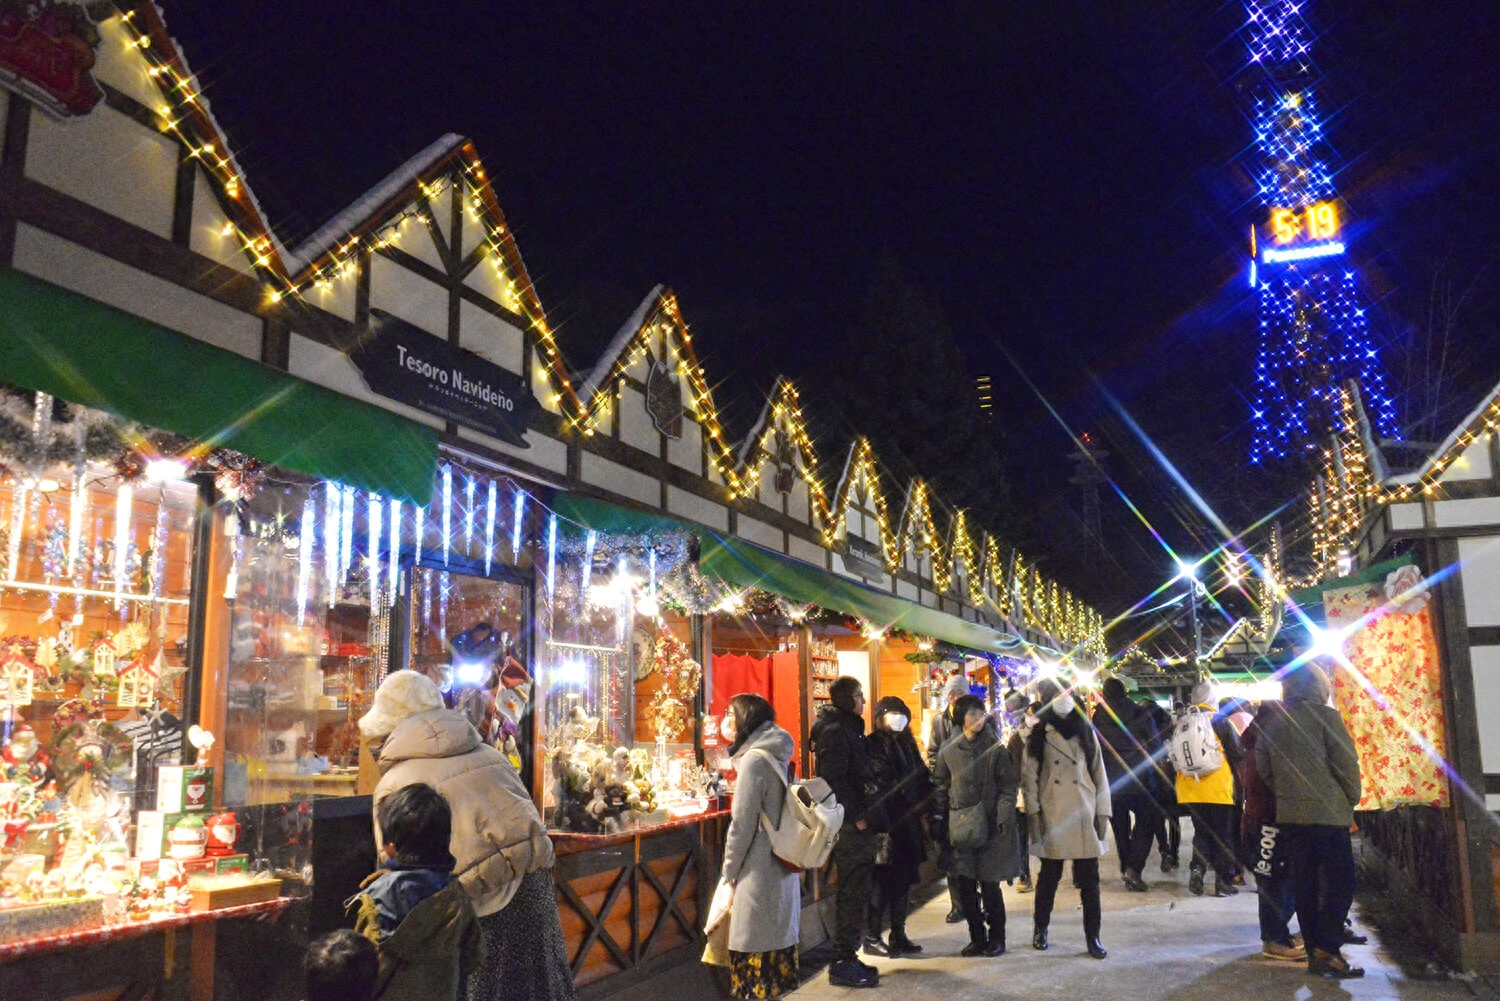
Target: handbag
970 827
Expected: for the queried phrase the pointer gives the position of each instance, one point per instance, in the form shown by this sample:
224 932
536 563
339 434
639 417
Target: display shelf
116 930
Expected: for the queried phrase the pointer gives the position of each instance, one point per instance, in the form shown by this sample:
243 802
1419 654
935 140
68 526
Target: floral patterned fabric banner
1393 699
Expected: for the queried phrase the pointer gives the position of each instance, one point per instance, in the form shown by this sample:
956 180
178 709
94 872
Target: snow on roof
747 445
1450 442
619 343
341 226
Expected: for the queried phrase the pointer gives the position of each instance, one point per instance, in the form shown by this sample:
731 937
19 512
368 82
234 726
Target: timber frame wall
1446 514
142 206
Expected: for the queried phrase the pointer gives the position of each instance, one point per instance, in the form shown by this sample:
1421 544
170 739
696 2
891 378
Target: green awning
59 342
745 564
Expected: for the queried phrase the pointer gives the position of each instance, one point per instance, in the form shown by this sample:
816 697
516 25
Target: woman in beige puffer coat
504 857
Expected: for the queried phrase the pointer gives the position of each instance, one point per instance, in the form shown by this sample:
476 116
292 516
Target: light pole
1189 572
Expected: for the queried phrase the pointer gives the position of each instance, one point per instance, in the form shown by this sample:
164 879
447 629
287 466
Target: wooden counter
632 903
125 959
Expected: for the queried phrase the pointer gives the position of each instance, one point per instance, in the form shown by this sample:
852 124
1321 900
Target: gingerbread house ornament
104 657
19 674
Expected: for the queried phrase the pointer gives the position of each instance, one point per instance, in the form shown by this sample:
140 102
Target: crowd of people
462 904
1271 794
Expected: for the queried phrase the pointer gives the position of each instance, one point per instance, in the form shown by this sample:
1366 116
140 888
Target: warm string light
183 116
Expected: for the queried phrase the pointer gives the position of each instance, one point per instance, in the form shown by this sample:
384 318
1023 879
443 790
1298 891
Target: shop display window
301 650
96 563
468 634
621 699
329 589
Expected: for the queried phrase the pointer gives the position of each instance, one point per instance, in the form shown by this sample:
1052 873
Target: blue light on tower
1313 332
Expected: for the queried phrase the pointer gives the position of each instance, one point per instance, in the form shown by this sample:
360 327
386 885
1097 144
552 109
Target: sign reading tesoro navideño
406 364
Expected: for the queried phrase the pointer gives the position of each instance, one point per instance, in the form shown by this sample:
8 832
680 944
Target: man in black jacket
1128 734
838 739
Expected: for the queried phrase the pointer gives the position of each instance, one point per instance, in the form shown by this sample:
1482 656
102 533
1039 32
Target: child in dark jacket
416 913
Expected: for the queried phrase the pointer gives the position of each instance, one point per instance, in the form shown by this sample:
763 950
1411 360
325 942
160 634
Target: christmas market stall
242 481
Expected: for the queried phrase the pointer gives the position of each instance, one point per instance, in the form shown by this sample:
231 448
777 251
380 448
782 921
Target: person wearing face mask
944 726
905 787
765 915
975 790
1068 808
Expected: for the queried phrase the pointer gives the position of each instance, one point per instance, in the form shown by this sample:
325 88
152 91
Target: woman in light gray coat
974 769
764 919
1068 808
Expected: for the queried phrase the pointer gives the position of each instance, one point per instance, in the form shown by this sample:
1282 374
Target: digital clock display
1315 223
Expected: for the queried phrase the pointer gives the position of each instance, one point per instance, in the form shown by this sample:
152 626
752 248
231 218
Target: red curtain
777 677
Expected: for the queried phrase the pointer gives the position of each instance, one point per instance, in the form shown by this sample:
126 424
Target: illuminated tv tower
1313 330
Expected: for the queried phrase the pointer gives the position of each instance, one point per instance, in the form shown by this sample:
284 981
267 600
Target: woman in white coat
764 919
1067 807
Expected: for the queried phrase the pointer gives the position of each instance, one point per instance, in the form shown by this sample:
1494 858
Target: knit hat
954 687
401 695
1016 702
1048 689
1202 694
892 704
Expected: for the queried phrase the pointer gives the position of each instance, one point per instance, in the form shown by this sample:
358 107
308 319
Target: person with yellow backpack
1205 752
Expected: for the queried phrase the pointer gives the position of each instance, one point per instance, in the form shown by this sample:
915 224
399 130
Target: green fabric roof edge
745 564
1314 595
59 342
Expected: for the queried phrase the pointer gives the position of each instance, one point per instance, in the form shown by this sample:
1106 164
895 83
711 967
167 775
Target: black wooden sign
406 364
864 558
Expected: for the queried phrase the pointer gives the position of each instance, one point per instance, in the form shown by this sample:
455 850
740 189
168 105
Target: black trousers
1086 875
1322 864
1024 829
983 904
892 894
1134 824
854 865
1168 829
1213 838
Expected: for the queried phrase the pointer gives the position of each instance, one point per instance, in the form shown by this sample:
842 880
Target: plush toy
620 771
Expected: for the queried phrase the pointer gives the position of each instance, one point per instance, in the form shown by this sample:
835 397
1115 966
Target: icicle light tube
551 548
122 536
75 521
469 487
308 538
375 520
447 513
395 561
587 570
515 531
346 534
332 499
489 527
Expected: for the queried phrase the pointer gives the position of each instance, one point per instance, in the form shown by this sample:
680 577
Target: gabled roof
1481 419
288 273
367 206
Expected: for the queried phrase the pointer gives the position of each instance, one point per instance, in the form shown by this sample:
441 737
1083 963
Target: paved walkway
1165 945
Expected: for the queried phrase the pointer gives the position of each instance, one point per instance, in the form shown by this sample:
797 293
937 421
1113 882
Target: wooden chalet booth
241 481
1408 542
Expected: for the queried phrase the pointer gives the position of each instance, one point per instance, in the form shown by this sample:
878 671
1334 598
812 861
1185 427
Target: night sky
1063 177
